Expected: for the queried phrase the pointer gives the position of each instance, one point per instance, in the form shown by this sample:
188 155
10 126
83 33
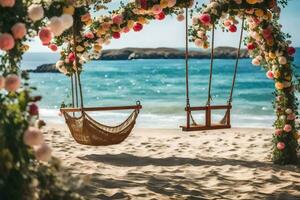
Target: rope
187 59
209 98
189 114
237 62
76 91
77 76
224 119
72 90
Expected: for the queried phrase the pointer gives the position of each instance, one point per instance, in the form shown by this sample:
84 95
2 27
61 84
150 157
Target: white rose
255 62
35 12
59 64
282 60
56 26
288 111
67 21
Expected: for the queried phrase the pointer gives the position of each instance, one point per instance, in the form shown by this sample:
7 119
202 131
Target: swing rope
230 99
187 59
237 62
189 114
77 76
209 97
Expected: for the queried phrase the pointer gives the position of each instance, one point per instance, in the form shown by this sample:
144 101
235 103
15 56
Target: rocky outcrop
45 68
154 53
168 53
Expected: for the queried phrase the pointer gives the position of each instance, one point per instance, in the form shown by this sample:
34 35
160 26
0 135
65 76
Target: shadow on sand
173 183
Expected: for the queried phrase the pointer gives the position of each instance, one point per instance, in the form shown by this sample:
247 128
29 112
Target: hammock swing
191 124
84 129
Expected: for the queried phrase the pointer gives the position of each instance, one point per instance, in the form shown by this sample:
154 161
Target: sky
171 33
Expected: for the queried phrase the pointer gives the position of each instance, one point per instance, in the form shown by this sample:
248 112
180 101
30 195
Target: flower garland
94 33
269 48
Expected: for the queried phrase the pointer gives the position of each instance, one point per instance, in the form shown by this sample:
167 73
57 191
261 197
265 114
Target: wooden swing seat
208 121
92 109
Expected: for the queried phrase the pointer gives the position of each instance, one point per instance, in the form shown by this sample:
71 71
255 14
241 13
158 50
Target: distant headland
154 53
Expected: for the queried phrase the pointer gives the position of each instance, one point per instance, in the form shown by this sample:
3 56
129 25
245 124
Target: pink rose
43 153
280 145
137 27
12 83
205 19
198 43
33 137
141 4
117 19
232 28
180 17
278 132
227 23
19 30
267 33
291 51
45 36
71 57
7 42
160 16
291 117
156 9
116 35
287 128
53 47
33 109
7 3
89 35
270 74
126 30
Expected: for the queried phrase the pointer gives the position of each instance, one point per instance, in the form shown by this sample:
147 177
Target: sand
170 164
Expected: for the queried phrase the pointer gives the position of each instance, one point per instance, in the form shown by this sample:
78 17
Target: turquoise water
160 86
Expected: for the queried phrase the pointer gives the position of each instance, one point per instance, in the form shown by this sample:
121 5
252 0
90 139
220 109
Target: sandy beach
170 164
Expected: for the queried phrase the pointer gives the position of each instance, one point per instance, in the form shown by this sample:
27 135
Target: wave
164 120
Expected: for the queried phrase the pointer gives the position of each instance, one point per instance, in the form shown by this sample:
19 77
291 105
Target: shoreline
166 121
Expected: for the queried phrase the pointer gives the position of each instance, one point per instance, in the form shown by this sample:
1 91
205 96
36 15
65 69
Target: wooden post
228 116
208 116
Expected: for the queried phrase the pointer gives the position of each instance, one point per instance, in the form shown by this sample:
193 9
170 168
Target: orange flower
252 1
69 10
86 17
259 12
279 85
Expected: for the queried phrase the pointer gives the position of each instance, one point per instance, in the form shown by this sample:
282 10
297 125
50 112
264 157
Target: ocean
160 86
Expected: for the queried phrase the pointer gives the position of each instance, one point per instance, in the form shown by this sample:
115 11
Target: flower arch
269 48
55 21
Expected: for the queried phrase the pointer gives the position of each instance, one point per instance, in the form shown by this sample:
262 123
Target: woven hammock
85 130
